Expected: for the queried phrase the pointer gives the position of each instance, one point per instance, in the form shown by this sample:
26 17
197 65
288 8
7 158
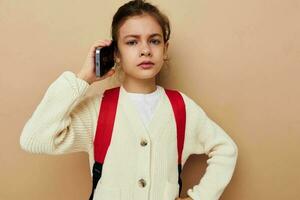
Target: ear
117 56
166 49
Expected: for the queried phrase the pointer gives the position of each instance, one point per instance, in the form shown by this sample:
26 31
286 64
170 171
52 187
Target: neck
144 86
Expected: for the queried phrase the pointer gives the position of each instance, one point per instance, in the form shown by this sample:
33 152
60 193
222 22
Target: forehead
140 25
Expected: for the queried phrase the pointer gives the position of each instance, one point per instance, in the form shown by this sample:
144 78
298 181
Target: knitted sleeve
209 138
62 122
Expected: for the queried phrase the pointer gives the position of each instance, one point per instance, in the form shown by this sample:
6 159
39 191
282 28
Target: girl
141 162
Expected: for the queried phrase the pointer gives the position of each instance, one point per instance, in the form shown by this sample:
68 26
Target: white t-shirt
146 103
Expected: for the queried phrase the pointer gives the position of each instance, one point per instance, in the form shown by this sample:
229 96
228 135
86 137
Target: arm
209 138
62 122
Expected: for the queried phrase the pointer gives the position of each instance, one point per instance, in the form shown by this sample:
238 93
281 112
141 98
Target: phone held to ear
104 59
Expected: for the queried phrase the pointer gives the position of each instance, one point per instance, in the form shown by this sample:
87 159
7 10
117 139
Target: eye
130 42
155 41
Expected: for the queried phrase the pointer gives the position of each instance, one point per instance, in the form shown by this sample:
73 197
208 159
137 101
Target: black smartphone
104 59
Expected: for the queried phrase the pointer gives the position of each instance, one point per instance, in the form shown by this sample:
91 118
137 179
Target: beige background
239 60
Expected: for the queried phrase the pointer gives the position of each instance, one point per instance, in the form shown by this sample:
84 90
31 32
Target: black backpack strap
179 178
97 172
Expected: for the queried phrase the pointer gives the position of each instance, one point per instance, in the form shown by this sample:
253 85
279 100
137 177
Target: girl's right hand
87 72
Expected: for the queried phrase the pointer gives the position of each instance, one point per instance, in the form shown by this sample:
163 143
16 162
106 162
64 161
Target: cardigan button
144 143
142 183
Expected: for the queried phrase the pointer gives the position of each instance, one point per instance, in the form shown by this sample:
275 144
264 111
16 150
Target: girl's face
140 39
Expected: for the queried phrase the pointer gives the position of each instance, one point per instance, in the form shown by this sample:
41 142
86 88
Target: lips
146 63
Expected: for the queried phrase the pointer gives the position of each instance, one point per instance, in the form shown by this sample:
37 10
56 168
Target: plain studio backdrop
239 60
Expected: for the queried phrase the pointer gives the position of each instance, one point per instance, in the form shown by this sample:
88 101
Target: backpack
106 120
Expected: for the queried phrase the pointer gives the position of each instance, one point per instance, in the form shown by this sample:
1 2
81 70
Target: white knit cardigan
65 121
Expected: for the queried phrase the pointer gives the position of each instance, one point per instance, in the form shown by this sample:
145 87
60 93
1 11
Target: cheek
160 51
127 55
160 56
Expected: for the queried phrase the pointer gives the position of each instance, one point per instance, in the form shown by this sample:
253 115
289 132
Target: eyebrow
137 36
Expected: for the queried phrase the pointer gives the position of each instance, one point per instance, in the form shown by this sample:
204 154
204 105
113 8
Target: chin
143 73
146 74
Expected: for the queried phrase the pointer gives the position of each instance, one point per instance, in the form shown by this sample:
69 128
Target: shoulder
194 112
190 103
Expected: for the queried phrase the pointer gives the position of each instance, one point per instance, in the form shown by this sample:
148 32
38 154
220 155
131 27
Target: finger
108 40
93 48
105 41
113 71
99 43
109 73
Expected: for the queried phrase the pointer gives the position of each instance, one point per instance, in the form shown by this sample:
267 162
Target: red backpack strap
105 124
106 119
178 106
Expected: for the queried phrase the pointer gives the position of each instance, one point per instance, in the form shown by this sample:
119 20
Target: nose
145 50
